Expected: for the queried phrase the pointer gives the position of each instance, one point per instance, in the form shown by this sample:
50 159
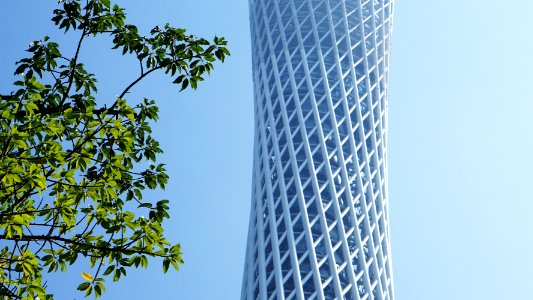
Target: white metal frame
319 217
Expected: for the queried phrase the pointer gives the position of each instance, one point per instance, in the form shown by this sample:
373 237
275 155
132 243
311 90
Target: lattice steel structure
319 218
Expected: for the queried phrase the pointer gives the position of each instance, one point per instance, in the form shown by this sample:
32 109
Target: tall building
319 219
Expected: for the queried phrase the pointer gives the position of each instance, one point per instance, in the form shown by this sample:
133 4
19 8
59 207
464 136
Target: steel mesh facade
319 218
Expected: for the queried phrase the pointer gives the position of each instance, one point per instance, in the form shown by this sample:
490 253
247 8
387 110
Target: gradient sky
460 146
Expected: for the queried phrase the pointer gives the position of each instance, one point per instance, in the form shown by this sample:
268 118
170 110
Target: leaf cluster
73 172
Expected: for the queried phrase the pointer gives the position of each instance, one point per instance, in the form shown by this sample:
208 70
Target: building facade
319 218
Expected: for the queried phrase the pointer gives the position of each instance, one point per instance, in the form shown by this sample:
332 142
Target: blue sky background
460 146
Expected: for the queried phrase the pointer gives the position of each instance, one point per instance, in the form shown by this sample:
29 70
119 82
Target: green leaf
184 84
83 286
166 264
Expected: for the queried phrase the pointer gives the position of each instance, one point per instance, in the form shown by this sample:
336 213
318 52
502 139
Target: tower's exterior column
319 218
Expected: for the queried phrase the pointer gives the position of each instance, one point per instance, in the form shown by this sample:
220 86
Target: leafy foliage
73 172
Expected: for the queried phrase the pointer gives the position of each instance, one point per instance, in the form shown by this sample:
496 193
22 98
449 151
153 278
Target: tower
319 217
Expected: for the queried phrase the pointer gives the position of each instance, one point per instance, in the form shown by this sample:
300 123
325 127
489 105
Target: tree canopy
72 169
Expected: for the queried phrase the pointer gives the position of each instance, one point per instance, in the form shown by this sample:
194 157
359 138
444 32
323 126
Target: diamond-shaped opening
312 53
330 63
347 150
340 29
321 20
312 212
269 264
303 89
347 220
334 233
325 272
329 291
367 8
335 92
286 265
298 69
320 248
366 253
309 122
271 286
348 79
371 59
281 224
305 269
361 289
290 105
292 39
285 156
362 90
344 278
308 189
321 178
376 112
368 141
339 256
287 89
368 197
369 43
328 59
301 248
295 130
329 136
284 76
351 6
319 8
343 47
330 212
290 188
309 287
289 27
302 10
319 90
367 125
282 140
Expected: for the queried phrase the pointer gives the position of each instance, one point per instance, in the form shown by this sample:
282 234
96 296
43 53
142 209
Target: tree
73 170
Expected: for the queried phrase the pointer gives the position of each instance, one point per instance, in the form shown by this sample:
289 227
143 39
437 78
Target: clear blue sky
460 146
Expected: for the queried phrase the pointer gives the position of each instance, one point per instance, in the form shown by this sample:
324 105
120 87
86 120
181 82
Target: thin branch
141 65
56 239
7 291
127 89
73 64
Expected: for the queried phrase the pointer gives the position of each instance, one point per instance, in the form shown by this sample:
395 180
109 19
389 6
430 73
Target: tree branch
127 89
52 238
73 64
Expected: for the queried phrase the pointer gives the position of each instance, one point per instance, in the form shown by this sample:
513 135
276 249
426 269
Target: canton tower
319 222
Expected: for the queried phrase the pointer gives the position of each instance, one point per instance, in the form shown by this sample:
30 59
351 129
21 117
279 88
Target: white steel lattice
319 218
